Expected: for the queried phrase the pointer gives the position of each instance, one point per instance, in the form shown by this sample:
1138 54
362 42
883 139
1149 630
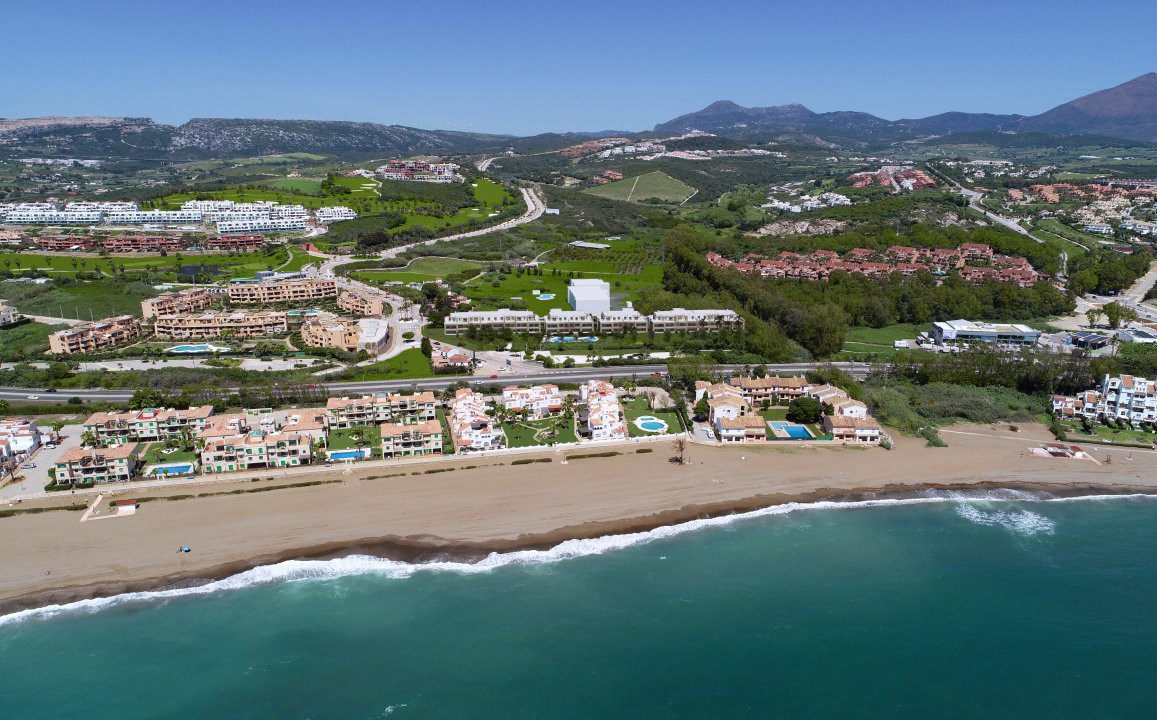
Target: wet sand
468 512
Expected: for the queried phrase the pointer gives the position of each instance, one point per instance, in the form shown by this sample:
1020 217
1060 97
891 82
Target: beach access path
471 506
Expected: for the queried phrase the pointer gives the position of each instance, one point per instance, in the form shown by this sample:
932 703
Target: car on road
50 390
29 466
493 377
33 397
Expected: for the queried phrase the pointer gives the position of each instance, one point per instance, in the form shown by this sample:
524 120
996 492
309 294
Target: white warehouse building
589 295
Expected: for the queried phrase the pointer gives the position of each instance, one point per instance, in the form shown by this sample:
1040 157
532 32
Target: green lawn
639 407
226 266
521 434
309 187
344 439
423 269
509 286
154 455
642 187
774 413
861 340
408 364
1104 433
25 342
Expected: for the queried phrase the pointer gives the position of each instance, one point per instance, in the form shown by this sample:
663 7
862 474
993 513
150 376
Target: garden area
368 436
1109 432
548 431
641 407
155 453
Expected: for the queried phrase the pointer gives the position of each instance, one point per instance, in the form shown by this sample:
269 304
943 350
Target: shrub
640 451
929 433
528 461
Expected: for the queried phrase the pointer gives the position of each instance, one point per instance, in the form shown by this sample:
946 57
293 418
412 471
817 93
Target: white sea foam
1022 521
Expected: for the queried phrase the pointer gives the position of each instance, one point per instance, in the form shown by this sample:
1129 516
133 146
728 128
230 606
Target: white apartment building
267 225
569 322
471 428
603 417
153 217
682 320
8 314
345 412
288 212
1128 397
519 321
538 401
18 436
52 217
622 321
335 213
424 438
417 171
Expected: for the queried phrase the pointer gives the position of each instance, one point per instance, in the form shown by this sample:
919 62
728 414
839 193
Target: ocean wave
1019 520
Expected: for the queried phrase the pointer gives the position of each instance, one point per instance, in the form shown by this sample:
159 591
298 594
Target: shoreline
496 508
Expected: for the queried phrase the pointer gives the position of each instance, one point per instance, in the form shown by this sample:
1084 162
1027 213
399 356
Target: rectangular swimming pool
183 469
349 454
796 432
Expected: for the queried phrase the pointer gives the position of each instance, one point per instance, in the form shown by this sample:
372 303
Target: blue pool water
568 338
295 313
546 296
180 469
798 432
650 423
349 454
202 348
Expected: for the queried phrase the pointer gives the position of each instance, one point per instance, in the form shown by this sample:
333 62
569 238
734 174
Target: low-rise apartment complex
602 418
330 331
255 449
1124 397
215 324
345 412
294 290
362 303
537 401
413 440
112 428
579 323
95 336
98 465
470 427
173 303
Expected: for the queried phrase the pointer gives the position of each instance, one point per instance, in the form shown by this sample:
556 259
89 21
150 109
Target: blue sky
533 67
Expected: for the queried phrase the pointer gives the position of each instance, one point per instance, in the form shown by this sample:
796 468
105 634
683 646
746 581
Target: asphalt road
21 395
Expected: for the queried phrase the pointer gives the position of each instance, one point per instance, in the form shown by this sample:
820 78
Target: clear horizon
450 67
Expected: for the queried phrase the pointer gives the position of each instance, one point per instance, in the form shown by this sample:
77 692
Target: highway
556 375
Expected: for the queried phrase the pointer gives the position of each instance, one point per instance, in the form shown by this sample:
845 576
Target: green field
644 187
1106 434
286 258
521 433
423 269
25 342
344 438
309 187
879 341
82 300
408 364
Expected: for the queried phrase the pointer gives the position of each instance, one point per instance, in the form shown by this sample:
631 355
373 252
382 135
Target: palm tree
89 439
680 448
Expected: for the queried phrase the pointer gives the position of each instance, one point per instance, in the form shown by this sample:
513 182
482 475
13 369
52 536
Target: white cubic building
589 295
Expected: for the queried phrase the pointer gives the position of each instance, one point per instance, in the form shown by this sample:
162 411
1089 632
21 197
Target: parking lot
44 458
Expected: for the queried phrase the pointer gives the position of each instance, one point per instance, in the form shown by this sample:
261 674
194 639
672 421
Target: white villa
470 426
538 401
603 418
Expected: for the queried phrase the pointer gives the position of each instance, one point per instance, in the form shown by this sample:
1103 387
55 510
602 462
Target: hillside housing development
275 291
418 171
95 336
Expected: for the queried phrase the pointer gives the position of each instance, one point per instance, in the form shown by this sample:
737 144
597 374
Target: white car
33 397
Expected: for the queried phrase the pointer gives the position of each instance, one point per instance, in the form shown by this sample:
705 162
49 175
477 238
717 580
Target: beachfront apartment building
603 417
98 465
18 437
680 320
417 171
423 438
8 314
255 449
216 324
173 303
1120 397
235 243
774 389
275 291
345 412
95 336
113 428
537 401
744 428
851 429
362 303
471 428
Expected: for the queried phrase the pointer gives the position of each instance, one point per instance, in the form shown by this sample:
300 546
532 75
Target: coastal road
558 375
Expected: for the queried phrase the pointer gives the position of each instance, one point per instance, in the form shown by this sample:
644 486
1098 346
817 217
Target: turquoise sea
945 608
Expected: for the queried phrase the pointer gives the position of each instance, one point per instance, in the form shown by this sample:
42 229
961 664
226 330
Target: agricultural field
658 185
423 269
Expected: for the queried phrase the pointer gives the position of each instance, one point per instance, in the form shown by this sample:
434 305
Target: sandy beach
410 513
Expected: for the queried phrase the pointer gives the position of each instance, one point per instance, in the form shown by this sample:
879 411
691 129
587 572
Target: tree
1094 314
805 410
1117 313
427 347
702 409
88 439
680 448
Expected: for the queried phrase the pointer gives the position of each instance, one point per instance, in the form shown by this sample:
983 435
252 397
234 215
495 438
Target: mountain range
1127 111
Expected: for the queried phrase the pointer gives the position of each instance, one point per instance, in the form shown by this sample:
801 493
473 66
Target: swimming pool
202 348
349 454
650 423
295 313
796 432
174 469
568 338
546 296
